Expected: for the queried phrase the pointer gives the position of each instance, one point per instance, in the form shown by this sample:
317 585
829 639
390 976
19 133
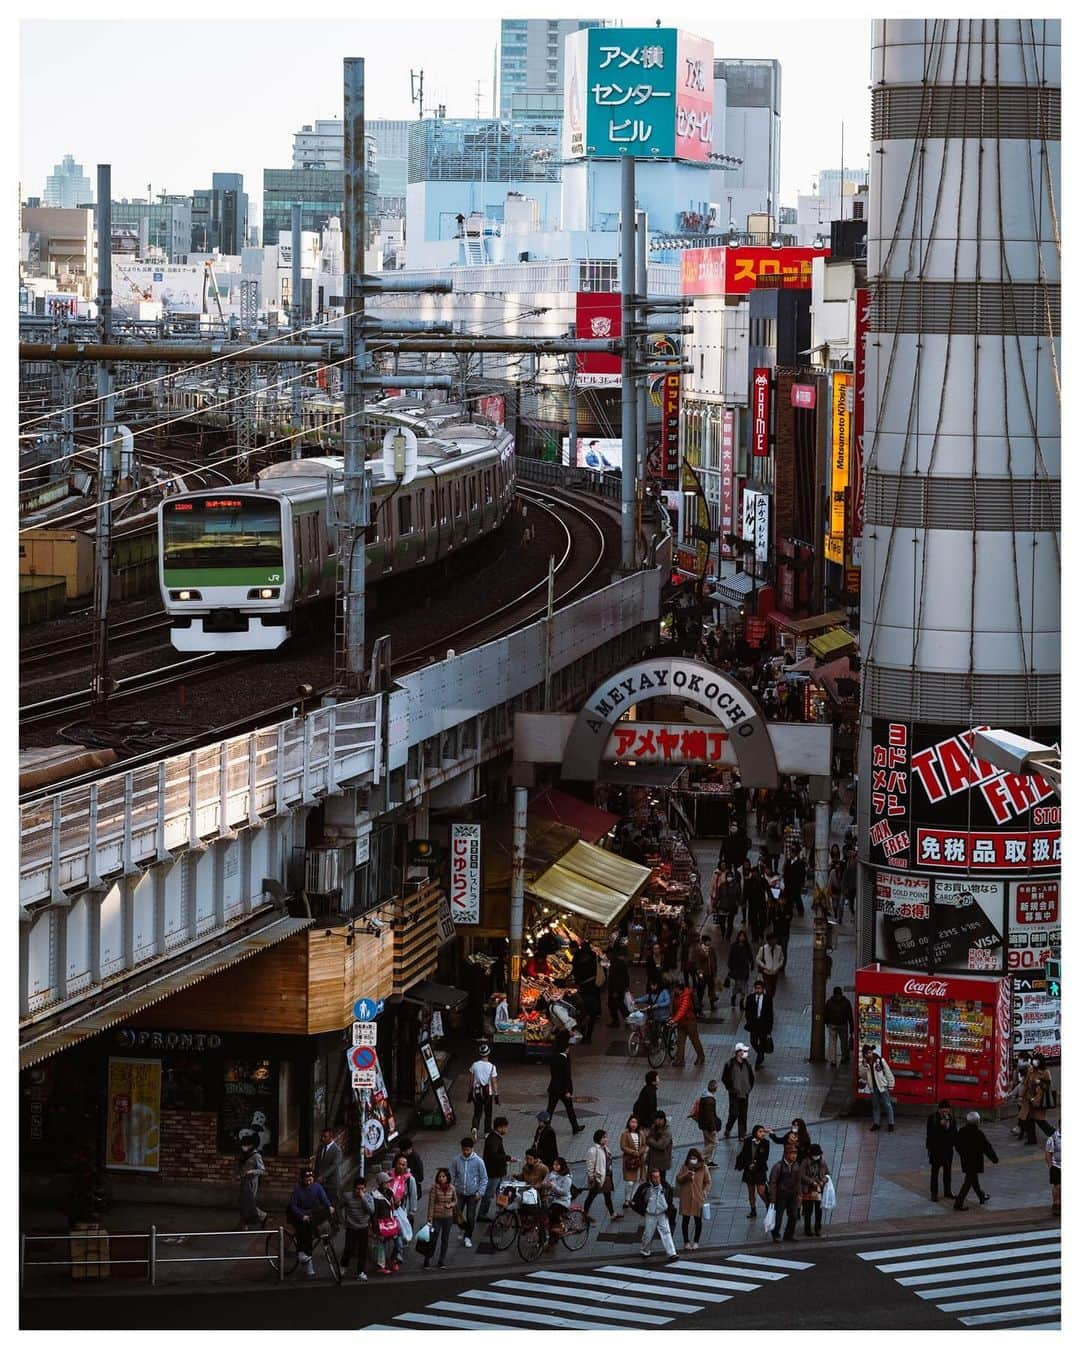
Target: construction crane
210 279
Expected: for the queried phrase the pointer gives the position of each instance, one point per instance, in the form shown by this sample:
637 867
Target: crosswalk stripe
1000 1255
622 1315
573 1292
949 1292
1001 1301
977 1319
1034 1327
753 1259
1040 1264
698 1292
675 1270
448 1320
520 1315
953 1246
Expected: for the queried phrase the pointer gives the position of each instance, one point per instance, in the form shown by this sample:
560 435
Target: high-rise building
320 146
531 57
164 223
317 181
746 96
68 186
219 215
391 139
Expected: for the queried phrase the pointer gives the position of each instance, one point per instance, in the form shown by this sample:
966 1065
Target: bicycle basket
530 1197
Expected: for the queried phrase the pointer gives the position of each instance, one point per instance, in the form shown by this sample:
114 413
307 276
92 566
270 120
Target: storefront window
249 1104
288 1109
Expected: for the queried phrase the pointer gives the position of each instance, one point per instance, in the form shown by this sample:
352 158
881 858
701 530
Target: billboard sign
740 270
856 495
644 92
598 455
840 463
599 318
133 1115
760 402
727 479
755 522
1034 923
669 443
939 925
465 873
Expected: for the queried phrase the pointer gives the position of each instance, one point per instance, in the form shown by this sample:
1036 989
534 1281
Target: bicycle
535 1230
663 1045
504 1229
325 1238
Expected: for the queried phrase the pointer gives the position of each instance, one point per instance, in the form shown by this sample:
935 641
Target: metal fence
606 484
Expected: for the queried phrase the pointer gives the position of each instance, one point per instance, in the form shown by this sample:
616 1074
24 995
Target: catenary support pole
571 401
641 284
106 467
627 270
517 893
296 312
820 966
357 481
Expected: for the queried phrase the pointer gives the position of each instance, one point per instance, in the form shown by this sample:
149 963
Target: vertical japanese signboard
133 1118
669 455
645 92
465 873
599 318
840 464
760 402
755 522
856 492
727 479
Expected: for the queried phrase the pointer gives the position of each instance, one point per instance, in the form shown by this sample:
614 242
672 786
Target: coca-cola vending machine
943 1037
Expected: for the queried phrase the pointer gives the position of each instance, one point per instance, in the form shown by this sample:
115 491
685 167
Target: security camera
1021 756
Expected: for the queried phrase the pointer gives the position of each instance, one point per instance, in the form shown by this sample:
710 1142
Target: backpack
695 1111
638 1200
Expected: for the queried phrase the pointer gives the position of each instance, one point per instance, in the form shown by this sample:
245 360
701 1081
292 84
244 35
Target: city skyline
456 58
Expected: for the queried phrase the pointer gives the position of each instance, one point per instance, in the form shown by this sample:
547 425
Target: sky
183 99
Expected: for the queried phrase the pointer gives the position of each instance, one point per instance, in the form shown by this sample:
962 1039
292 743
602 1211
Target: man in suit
328 1159
561 1085
759 1020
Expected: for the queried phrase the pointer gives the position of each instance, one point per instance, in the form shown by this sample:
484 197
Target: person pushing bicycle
310 1213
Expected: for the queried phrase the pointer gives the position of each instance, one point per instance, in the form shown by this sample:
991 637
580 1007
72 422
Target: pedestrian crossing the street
1007 1281
634 1298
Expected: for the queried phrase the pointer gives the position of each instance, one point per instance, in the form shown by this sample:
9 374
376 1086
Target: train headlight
185 595
263 593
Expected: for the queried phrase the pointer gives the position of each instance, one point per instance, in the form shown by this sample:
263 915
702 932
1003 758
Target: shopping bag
769 1223
405 1225
424 1236
828 1195
706 1211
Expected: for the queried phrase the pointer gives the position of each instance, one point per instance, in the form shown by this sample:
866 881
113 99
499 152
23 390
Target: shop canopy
554 805
41 1041
831 642
805 626
436 997
590 882
732 590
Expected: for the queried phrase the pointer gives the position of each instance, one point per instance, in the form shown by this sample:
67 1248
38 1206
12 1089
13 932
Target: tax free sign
645 92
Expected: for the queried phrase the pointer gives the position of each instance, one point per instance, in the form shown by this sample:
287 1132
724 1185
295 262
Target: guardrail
544 473
153 1259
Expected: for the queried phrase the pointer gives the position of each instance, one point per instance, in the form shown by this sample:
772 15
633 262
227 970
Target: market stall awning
554 805
434 996
731 591
804 626
590 882
831 642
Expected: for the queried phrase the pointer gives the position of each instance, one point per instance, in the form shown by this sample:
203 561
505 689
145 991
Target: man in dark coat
645 1106
584 968
972 1146
561 1085
941 1136
784 1190
756 898
759 1020
496 1161
618 983
794 877
544 1142
736 844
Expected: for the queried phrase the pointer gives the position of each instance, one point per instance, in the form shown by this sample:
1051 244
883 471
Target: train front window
222 532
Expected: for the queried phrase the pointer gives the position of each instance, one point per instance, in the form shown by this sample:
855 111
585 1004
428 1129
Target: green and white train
236 566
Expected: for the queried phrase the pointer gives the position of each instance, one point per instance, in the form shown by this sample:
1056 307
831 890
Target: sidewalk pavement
879 1176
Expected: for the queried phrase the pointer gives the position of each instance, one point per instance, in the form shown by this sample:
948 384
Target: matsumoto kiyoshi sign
934 805
684 679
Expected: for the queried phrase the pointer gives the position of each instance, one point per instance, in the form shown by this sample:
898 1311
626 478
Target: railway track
50 651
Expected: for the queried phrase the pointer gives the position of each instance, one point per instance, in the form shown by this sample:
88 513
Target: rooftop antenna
417 78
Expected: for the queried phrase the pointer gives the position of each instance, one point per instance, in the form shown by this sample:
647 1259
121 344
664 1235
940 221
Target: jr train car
237 565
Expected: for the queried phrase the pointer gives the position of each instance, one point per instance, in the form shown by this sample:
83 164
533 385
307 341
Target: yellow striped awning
839 638
590 882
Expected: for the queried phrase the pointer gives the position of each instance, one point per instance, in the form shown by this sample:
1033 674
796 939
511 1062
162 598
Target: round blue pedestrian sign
366 1010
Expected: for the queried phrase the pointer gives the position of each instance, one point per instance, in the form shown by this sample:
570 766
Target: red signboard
493 407
666 743
740 270
855 485
760 402
599 318
956 848
669 444
694 98
804 396
727 479
756 629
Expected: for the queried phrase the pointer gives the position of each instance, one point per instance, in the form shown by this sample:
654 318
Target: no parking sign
363 1062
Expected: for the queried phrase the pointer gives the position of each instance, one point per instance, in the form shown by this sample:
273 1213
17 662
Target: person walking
599 1174
497 1163
685 1020
834 890
483 1088
1036 1096
645 1106
704 1113
813 1172
1053 1163
769 961
632 1148
940 1146
692 1182
416 1164
727 894
759 1021
875 1075
653 1201
387 1230
545 1144
585 968
310 1208
658 1141
973 1147
740 966
785 1185
849 883
756 897
442 1202
840 1021
618 983
251 1168
738 1079
357 1209
469 1177
328 1159
705 974
753 1162
794 876
561 1084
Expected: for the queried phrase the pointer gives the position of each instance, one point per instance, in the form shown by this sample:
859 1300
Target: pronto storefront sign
740 270
465 873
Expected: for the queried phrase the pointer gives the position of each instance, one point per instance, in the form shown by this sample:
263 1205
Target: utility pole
517 893
296 313
101 685
571 399
627 268
820 964
642 287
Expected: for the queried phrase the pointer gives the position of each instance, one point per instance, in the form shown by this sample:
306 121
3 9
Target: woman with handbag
402 1185
442 1202
387 1229
813 1174
1037 1095
692 1182
632 1149
598 1172
753 1161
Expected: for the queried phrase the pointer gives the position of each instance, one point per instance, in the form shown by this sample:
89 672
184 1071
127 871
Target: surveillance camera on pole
1021 756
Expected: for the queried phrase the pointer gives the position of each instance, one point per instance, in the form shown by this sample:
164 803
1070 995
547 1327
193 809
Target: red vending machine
943 1037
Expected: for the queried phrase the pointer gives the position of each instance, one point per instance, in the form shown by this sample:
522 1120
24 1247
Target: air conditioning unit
324 871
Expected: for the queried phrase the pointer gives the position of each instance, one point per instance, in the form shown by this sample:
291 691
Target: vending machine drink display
943 1037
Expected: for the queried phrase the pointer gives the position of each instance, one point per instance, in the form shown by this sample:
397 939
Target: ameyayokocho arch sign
686 680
